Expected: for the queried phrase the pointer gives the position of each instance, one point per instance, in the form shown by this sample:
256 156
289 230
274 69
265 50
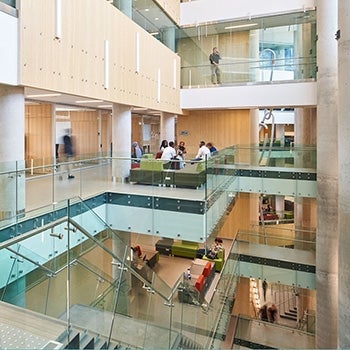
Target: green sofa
219 261
185 249
150 171
192 175
157 172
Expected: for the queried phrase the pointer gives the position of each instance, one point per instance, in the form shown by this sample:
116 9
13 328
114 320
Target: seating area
186 249
202 274
154 171
218 261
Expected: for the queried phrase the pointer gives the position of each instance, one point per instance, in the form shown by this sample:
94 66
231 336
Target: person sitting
203 152
215 248
136 151
211 147
169 152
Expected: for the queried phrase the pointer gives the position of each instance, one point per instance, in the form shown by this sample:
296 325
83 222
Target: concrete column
279 206
327 178
344 174
12 131
280 133
121 142
254 135
167 126
168 37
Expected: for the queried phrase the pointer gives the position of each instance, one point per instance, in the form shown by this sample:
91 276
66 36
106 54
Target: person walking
68 152
264 287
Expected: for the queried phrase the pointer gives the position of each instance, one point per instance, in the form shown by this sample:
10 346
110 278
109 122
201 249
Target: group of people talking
169 151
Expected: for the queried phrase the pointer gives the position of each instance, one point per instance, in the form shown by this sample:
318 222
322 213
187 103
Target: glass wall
273 48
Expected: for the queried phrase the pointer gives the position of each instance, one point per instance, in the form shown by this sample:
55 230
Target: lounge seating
219 260
158 172
202 275
192 175
150 171
184 249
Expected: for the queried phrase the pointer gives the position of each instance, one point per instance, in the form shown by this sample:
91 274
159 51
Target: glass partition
84 274
276 48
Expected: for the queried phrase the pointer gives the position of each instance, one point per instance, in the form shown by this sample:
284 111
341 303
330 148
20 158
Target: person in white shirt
169 152
203 152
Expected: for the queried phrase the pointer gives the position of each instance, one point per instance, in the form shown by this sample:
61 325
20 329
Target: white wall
201 11
251 96
8 49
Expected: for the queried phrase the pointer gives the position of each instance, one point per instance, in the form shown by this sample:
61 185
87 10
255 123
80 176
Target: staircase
74 339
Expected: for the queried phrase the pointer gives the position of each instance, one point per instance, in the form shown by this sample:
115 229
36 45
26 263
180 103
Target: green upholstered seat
219 261
185 249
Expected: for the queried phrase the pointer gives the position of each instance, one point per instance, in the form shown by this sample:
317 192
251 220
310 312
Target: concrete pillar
121 141
254 135
327 177
344 174
168 38
280 133
12 131
167 126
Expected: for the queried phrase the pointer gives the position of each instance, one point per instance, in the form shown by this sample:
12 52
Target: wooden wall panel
38 134
74 63
221 127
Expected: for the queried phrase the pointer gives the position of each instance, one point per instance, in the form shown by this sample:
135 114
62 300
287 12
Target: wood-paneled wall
84 127
74 60
38 133
221 127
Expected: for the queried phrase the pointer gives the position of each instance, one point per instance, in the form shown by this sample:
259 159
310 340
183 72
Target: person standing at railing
214 59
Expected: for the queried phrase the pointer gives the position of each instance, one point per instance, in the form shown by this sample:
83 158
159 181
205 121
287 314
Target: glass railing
275 235
86 275
284 256
250 71
257 334
26 191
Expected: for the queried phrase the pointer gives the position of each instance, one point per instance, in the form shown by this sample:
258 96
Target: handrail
267 236
52 273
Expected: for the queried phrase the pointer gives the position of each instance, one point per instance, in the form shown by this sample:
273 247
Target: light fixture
242 26
89 101
43 95
105 106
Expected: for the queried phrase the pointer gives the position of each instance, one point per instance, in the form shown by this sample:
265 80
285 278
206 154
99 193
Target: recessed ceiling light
156 19
146 10
242 26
